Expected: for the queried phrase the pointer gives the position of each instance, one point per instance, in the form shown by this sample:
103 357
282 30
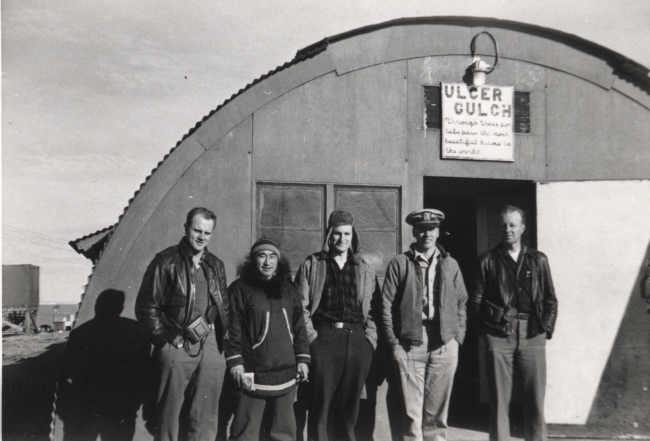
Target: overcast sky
95 93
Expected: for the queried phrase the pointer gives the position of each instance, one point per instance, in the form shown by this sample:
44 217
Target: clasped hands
237 372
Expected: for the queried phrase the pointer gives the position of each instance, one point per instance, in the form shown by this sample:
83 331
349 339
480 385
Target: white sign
477 122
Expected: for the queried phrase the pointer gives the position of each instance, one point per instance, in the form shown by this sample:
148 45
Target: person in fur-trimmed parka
268 349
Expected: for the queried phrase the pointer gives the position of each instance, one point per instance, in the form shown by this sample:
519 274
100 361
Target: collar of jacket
271 287
355 258
411 252
185 250
501 249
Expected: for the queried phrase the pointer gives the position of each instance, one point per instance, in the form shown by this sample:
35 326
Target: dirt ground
30 369
31 365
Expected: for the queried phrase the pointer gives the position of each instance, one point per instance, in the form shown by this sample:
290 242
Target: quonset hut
368 121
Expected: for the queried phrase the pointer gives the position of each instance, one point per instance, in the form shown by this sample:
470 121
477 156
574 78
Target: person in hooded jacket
337 287
268 350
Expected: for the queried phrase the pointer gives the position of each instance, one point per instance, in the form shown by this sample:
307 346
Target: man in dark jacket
268 349
183 305
514 304
424 319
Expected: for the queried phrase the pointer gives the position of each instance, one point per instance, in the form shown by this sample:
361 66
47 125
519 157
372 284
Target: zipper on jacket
266 329
189 307
286 319
442 286
213 271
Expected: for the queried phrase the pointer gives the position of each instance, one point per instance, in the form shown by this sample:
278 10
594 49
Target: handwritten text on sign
477 122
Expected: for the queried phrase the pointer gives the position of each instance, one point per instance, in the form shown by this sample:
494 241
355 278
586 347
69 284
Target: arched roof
617 61
620 66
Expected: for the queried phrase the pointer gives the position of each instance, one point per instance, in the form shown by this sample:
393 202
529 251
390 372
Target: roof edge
305 56
624 67
75 243
620 63
92 245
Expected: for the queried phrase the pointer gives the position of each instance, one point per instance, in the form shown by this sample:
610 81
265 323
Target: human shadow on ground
104 378
28 387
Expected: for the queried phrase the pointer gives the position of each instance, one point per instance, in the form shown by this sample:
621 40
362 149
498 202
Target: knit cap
264 244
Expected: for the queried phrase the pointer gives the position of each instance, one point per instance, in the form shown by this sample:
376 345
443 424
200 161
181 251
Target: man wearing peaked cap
423 318
425 218
337 287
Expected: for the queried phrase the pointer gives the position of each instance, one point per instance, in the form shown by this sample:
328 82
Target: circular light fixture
480 68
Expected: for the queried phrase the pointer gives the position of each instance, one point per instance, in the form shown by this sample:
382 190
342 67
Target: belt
338 325
523 316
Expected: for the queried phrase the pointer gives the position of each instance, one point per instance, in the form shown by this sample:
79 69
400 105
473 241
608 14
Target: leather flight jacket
492 290
165 302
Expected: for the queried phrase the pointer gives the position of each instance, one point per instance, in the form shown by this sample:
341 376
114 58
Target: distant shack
57 316
20 297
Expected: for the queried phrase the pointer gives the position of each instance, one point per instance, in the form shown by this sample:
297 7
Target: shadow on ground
28 387
104 376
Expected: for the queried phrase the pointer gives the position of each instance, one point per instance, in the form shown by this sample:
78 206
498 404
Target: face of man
340 240
266 263
512 227
199 232
426 237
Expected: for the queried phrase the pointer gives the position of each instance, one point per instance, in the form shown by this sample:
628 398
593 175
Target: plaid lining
339 300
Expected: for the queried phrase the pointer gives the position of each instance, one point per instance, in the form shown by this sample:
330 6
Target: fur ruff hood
247 271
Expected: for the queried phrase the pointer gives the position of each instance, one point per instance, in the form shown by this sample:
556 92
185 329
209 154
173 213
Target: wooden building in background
20 297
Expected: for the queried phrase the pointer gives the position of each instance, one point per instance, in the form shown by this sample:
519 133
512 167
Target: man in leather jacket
183 305
513 302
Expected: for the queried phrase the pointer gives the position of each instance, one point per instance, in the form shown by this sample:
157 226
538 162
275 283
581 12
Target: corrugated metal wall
354 116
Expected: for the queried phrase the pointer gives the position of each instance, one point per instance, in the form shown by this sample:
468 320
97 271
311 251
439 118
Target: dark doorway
470 228
472 208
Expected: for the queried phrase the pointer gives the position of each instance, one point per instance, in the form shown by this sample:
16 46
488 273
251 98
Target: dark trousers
188 392
341 360
528 357
251 409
